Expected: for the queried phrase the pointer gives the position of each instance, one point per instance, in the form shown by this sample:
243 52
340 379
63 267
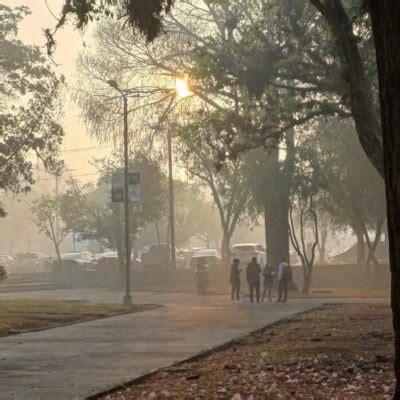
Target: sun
182 87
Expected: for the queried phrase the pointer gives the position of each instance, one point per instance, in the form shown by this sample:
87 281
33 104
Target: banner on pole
117 187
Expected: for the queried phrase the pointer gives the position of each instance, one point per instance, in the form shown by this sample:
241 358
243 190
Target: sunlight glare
181 87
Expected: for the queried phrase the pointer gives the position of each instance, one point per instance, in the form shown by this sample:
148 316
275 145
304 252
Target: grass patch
18 316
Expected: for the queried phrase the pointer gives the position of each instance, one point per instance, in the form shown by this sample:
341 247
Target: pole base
127 301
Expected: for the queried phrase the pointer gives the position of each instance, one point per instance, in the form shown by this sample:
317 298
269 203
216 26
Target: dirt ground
335 352
18 316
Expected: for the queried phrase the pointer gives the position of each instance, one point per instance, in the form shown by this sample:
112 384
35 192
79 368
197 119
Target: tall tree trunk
57 248
322 253
385 15
157 232
277 202
225 250
276 229
55 240
307 274
359 232
323 238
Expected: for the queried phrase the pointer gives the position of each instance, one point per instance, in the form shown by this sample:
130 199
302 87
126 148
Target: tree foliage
45 213
90 213
144 15
29 107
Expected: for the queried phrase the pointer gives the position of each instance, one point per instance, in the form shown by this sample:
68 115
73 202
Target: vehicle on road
158 257
75 262
109 261
208 257
349 256
246 251
34 261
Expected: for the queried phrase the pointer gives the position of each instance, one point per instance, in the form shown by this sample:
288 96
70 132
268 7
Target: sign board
117 187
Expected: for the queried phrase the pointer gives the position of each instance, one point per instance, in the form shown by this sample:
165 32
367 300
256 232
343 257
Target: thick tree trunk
276 230
385 15
277 202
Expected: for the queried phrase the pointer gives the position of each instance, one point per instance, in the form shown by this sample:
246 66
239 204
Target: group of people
253 277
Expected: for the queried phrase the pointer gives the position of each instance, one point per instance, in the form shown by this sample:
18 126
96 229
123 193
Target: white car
206 256
246 251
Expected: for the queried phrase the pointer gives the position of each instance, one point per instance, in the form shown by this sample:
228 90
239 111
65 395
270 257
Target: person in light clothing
284 277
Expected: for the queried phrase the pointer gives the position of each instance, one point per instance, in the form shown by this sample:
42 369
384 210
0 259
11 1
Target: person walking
235 280
253 272
268 275
284 277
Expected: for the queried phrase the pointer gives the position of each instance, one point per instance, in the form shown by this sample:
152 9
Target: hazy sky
69 45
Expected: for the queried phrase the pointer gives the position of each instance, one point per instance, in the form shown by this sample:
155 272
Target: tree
269 178
303 205
100 219
226 183
45 213
360 91
356 195
194 216
141 14
29 107
385 16
307 189
322 230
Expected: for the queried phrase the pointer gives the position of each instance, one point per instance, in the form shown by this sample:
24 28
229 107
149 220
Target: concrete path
79 360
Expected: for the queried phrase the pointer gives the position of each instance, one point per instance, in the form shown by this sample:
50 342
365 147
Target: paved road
76 361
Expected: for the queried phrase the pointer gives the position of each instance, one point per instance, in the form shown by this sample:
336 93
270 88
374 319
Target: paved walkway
79 360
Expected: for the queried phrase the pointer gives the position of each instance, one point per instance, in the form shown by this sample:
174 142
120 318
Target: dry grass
17 316
336 352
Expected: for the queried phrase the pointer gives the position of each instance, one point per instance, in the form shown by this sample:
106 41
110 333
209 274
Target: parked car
187 255
209 257
109 261
75 261
158 257
246 251
349 256
32 262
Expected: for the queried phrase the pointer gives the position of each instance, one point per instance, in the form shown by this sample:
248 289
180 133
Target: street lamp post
181 90
127 301
171 201
127 297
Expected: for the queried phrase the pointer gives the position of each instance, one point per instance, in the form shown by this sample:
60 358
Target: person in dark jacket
235 280
253 279
268 275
